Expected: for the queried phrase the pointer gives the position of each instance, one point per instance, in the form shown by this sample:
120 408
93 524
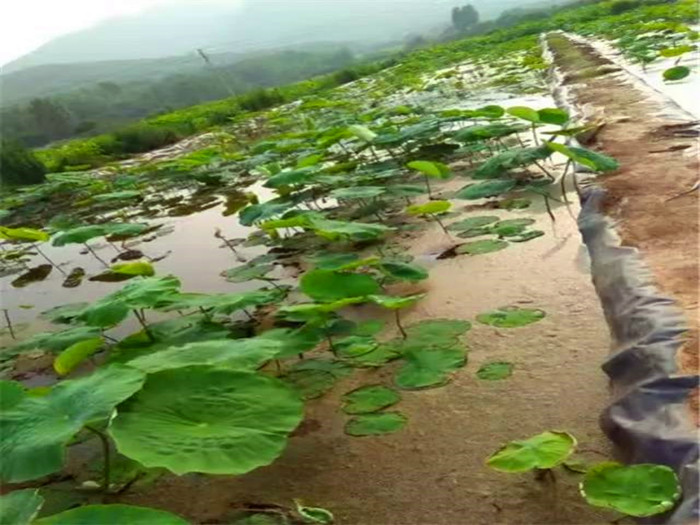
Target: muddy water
433 472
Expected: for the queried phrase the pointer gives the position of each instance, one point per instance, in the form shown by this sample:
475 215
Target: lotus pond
338 311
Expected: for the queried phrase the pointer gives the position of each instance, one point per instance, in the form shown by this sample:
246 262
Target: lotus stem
534 135
94 254
49 260
437 219
106 457
9 323
142 321
397 318
427 185
549 208
563 181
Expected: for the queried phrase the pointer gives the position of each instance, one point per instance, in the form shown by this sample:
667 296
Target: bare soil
650 197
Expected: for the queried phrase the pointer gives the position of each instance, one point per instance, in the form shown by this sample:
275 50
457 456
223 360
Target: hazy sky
27 24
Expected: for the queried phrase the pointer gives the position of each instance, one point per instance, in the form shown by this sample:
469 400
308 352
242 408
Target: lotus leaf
555 116
75 354
482 247
511 317
486 189
362 132
247 272
635 490
358 192
143 268
116 195
404 271
543 451
23 234
508 160
36 429
220 422
495 370
429 208
396 303
224 303
314 514
358 231
473 222
20 507
676 73
115 513
595 161
514 204
431 169
377 357
527 236
524 113
368 399
375 424
329 286
426 368
57 341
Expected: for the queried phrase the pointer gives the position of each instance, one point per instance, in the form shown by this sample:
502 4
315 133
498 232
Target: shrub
624 5
142 137
18 165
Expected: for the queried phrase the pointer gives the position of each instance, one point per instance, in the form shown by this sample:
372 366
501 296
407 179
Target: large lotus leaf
223 303
329 286
555 116
429 208
20 507
636 490
236 354
308 311
543 451
377 357
23 234
368 399
396 303
36 429
511 316
375 424
11 393
112 514
592 159
473 222
247 272
429 367
57 341
359 231
524 113
404 271
294 342
358 192
144 292
290 178
483 190
334 261
405 190
481 247
513 158
78 235
495 370
432 331
206 419
485 131
260 212
105 313
431 169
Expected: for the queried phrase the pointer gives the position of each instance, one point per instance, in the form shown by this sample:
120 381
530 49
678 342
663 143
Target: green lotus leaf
329 286
36 429
247 272
76 354
669 52
527 236
64 314
290 178
220 422
358 231
223 303
363 133
294 342
474 232
486 189
511 317
11 393
524 113
143 268
429 367
369 328
105 313
20 507
23 234
510 159
437 332
124 230
57 341
555 116
358 192
592 159
342 261
310 384
481 132
112 514
514 204
543 451
676 73
337 369
525 221
490 111
368 399
307 311
396 303
375 424
116 196
481 247
379 356
495 370
354 346
507 230
635 490
260 212
428 208
142 292
404 271
437 170
83 234
473 222
405 190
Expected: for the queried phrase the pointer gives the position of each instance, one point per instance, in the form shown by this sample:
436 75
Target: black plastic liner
649 418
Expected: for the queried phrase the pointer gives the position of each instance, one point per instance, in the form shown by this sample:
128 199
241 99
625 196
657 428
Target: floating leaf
428 208
33 275
23 234
635 490
483 190
527 236
75 354
436 332
375 424
555 116
143 268
377 357
543 451
220 422
310 383
473 222
481 247
495 370
404 271
511 317
676 73
247 272
429 367
115 513
368 399
437 170
20 507
36 429
328 286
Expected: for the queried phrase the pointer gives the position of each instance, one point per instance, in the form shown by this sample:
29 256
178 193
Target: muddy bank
645 267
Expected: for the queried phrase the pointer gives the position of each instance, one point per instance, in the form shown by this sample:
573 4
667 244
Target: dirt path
433 472
651 196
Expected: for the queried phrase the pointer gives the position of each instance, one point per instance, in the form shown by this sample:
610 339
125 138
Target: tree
464 17
51 117
18 165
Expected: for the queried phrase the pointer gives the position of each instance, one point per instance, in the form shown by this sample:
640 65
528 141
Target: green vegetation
19 166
